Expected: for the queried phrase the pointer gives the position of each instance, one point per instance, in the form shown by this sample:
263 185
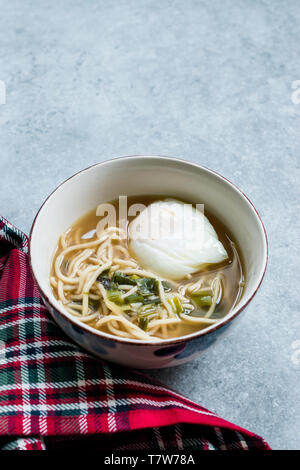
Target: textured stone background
209 81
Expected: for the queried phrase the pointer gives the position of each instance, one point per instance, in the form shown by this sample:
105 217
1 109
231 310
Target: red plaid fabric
52 393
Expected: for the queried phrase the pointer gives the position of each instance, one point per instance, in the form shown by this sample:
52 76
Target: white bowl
137 175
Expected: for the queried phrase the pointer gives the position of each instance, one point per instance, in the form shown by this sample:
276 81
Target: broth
229 274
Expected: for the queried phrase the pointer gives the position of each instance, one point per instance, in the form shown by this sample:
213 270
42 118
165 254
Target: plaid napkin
54 396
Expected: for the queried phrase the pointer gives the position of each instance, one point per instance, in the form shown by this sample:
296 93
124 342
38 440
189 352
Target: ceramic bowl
137 175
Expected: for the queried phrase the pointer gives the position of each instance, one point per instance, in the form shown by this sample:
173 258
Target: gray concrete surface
209 81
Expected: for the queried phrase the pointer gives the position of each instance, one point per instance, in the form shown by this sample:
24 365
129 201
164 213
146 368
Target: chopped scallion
202 300
115 296
121 278
176 305
134 298
143 323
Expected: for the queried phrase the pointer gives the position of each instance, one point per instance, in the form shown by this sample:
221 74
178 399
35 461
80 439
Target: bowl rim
164 342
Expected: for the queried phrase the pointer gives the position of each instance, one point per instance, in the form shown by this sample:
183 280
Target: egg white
174 239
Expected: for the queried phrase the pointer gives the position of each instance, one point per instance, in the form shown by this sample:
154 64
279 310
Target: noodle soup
103 279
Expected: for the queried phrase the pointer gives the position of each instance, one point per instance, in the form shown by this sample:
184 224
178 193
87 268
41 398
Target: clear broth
233 279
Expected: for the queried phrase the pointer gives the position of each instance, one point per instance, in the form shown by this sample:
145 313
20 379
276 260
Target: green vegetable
134 298
146 285
105 272
146 293
153 300
147 310
165 284
143 323
125 307
121 278
115 296
203 292
176 305
106 282
202 300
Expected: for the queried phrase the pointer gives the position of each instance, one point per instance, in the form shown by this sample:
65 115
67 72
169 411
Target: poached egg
173 239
